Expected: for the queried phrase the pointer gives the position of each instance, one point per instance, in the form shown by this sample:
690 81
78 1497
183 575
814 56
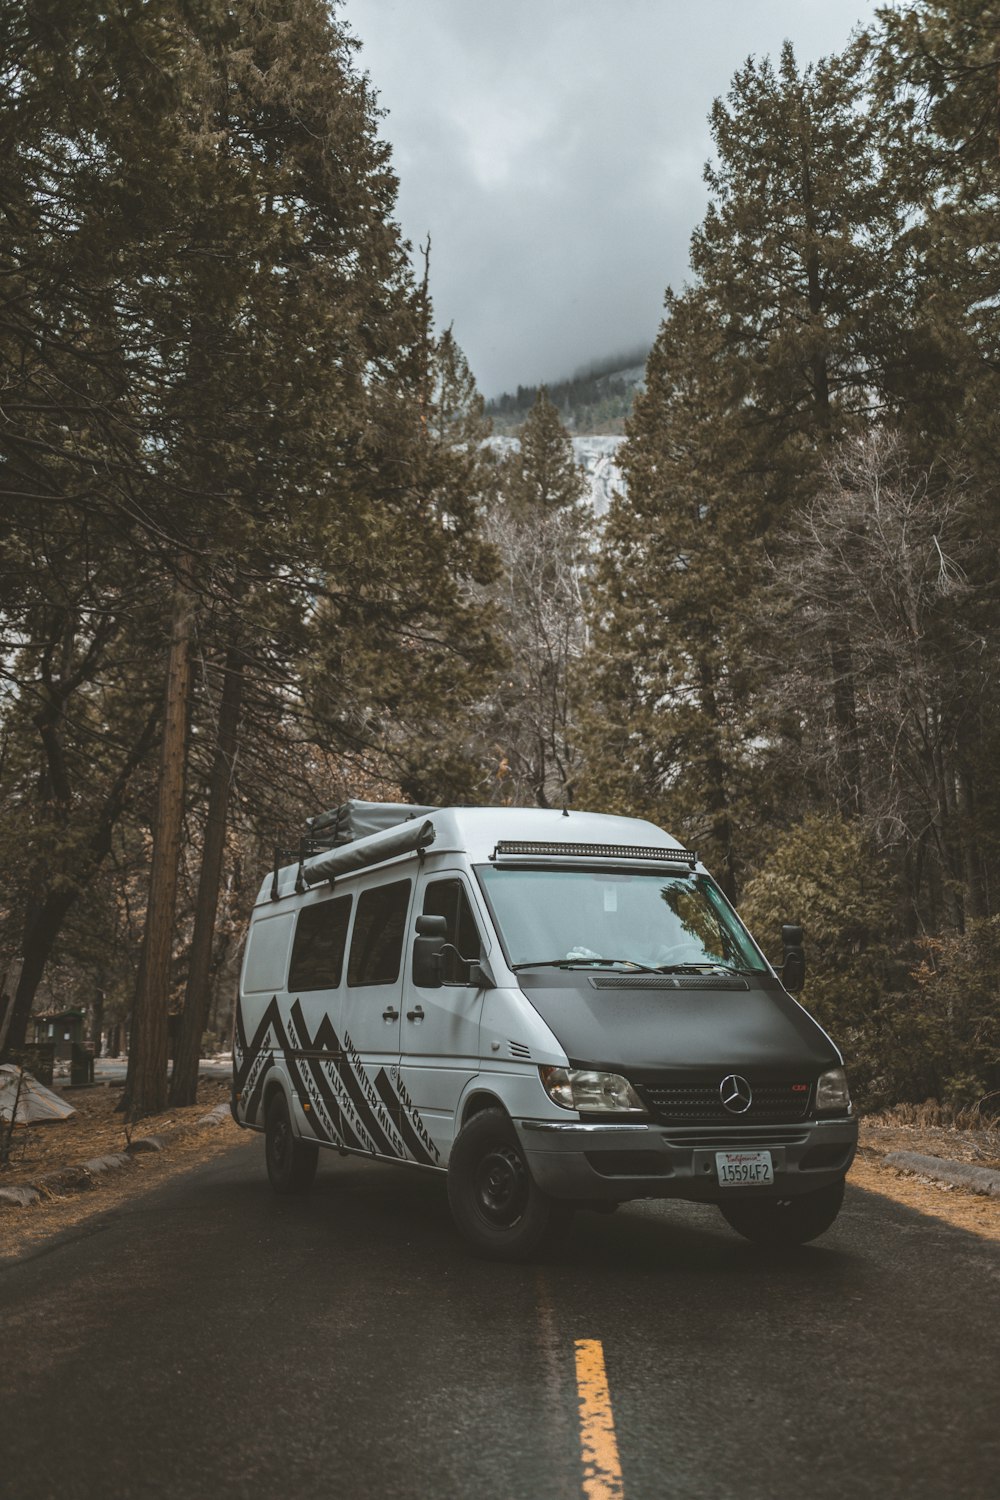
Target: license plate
744 1168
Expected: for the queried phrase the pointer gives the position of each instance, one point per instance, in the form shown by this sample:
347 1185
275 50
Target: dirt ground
96 1130
882 1134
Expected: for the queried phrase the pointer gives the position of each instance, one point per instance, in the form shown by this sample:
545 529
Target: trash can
81 1064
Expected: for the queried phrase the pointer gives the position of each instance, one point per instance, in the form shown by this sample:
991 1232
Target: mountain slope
593 401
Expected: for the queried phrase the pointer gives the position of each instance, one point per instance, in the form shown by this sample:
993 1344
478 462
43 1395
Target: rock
67 1180
146 1143
217 1116
958 1173
18 1197
99 1165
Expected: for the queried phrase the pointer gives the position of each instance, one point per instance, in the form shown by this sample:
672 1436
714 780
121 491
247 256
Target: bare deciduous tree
884 549
540 621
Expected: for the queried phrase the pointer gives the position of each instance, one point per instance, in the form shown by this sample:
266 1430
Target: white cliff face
597 457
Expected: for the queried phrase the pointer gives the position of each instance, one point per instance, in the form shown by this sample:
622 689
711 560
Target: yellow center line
602 1472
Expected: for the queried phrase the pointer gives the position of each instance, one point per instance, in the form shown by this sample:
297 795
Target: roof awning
405 838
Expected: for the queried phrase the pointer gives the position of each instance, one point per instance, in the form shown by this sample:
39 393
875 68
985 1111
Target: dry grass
95 1130
930 1131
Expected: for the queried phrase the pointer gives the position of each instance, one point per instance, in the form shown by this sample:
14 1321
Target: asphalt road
210 1340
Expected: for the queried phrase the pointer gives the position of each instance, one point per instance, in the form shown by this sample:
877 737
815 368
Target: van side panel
327 1048
256 1045
440 1048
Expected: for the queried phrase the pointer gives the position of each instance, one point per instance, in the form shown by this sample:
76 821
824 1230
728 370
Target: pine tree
215 357
402 641
544 475
937 67
665 709
789 336
798 251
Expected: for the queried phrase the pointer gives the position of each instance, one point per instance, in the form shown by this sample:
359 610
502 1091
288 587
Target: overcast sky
553 150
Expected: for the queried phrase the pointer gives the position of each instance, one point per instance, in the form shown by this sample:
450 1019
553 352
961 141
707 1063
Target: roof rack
356 819
332 832
521 849
411 837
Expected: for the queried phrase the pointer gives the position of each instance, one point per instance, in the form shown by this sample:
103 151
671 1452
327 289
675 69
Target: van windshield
652 921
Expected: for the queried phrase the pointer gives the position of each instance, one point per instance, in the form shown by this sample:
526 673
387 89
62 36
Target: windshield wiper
569 963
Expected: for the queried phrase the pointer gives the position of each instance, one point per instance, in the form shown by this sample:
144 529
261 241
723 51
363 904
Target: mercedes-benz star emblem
736 1094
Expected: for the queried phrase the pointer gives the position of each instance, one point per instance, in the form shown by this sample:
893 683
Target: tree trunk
47 912
97 1023
8 987
841 652
42 926
976 898
146 1086
846 719
949 840
184 1080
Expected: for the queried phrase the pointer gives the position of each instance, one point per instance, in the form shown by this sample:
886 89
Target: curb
84 1175
985 1180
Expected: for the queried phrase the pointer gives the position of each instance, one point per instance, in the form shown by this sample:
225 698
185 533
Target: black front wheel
785 1221
494 1201
291 1162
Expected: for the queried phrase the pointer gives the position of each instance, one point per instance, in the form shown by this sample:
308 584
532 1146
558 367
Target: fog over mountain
554 153
597 398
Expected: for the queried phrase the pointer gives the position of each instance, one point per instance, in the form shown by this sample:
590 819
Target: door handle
415 1015
390 1014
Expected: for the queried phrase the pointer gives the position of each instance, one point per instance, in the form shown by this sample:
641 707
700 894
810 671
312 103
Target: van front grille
699 1100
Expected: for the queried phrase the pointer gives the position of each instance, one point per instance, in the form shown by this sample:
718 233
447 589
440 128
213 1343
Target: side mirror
435 927
793 969
432 934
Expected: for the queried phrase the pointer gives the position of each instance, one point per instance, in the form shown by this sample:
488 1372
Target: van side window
377 941
318 949
447 898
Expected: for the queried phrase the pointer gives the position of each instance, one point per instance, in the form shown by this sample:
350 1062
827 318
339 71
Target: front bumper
616 1162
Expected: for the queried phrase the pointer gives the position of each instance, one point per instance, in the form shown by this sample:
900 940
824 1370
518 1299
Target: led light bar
524 849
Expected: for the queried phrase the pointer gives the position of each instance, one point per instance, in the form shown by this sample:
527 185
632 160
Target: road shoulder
75 1172
925 1187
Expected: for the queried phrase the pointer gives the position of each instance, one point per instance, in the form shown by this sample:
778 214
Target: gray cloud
553 150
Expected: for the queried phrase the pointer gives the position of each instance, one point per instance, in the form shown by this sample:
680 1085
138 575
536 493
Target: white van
559 1010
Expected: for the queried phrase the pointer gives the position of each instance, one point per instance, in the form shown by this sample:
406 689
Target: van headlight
833 1097
596 1093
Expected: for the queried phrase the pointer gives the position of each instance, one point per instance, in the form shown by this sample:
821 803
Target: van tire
785 1221
494 1201
291 1163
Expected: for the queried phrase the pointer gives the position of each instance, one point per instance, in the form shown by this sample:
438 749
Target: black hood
637 1024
